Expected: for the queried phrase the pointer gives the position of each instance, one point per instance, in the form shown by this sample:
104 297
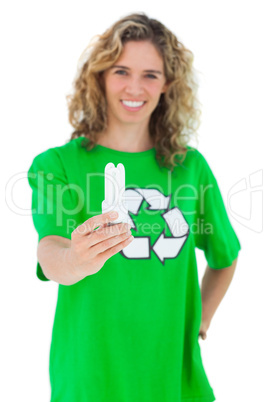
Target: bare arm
213 288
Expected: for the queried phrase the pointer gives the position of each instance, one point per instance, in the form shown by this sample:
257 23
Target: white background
40 46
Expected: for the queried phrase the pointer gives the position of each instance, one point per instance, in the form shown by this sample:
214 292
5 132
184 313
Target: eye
151 76
120 72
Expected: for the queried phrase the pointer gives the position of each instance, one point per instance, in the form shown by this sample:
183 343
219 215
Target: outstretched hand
90 248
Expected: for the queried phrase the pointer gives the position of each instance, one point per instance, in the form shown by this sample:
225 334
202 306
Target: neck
132 138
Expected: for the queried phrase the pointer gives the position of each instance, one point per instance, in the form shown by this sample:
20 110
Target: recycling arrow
164 247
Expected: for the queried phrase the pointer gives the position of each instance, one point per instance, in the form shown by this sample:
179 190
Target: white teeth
132 104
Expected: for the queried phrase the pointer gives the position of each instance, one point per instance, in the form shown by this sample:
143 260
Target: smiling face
133 85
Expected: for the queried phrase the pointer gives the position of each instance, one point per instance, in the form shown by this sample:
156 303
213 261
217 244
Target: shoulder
195 157
59 155
67 149
196 164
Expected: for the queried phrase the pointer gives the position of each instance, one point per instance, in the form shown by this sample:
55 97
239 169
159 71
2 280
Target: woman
129 309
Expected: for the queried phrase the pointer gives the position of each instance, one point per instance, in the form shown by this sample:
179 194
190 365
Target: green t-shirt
129 333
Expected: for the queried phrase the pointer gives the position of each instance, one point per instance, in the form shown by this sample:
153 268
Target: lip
132 109
133 100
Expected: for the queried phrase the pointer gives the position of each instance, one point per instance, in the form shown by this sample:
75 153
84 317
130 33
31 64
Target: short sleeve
216 236
53 207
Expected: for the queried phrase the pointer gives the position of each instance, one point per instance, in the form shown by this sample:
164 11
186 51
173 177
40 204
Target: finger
112 246
92 223
102 234
103 225
111 242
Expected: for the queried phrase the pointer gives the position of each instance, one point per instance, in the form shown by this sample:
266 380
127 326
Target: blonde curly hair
176 118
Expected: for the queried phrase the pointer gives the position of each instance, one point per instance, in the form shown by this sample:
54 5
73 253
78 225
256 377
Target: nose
134 87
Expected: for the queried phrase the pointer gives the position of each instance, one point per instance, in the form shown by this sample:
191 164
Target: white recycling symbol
164 247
